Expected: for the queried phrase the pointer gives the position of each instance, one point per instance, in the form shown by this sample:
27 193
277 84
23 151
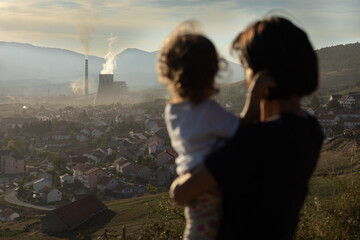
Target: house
128 153
334 97
118 162
125 168
328 120
46 175
152 147
79 170
31 169
163 158
92 176
50 194
14 164
349 101
162 177
125 190
85 131
82 138
8 123
74 160
309 110
8 215
96 133
106 183
66 178
141 171
41 183
70 216
149 124
97 156
60 135
155 138
351 123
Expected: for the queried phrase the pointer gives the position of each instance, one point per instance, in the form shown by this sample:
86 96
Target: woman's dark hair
275 44
189 62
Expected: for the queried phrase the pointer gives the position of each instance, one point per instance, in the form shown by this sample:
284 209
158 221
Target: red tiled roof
118 187
327 117
75 213
94 169
104 181
83 167
137 168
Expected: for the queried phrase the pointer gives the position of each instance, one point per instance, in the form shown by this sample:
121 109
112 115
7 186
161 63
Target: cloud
145 24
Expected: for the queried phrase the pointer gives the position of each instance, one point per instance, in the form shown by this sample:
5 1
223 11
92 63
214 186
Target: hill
339 68
32 70
139 216
339 74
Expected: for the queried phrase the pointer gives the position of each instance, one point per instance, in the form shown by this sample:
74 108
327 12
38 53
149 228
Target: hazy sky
85 25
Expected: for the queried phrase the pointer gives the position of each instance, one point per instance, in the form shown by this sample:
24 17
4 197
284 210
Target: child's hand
258 89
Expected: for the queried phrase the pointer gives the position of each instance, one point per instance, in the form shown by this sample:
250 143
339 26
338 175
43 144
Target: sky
85 26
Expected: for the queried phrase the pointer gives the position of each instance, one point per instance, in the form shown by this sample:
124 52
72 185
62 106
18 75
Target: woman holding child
264 166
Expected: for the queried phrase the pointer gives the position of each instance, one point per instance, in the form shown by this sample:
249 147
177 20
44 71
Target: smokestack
86 79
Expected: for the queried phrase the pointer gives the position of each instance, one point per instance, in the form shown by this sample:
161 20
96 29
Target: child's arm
186 187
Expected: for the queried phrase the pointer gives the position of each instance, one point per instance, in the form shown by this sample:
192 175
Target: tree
314 102
59 165
17 146
334 105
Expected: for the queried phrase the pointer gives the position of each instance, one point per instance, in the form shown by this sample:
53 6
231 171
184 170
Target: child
187 65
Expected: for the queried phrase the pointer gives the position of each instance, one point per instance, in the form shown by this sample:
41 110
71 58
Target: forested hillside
339 73
340 57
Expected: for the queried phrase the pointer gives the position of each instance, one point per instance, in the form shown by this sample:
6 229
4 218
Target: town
113 151
51 158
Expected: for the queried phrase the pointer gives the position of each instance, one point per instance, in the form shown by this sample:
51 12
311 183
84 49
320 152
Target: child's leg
203 216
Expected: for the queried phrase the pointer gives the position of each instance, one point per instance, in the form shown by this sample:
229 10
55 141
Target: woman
263 171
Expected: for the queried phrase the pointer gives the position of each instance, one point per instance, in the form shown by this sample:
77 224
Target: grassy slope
131 213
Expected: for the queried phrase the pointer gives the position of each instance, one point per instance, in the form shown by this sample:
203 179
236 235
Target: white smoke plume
77 87
86 27
110 57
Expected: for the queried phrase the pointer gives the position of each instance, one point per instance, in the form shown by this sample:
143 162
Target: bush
337 218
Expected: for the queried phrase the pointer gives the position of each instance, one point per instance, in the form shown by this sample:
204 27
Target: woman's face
249 73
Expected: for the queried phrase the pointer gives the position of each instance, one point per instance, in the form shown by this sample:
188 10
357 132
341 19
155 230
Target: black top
263 172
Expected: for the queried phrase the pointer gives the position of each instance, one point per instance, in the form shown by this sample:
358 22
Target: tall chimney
86 79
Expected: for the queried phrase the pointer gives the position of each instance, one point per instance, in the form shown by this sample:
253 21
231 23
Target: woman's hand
258 89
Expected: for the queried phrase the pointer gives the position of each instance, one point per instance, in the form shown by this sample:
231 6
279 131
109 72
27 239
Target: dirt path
10 197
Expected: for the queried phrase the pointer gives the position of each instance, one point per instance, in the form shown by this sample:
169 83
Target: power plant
109 91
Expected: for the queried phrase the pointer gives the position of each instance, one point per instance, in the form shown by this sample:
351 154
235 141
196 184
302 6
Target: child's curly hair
188 64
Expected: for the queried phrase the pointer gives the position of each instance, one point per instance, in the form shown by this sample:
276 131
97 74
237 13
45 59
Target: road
10 197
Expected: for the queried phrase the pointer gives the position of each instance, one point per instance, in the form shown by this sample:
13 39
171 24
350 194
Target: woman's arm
188 186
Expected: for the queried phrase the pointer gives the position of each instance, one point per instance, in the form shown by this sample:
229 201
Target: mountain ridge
56 66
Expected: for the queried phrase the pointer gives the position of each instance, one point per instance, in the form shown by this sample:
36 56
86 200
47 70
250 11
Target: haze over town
82 128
